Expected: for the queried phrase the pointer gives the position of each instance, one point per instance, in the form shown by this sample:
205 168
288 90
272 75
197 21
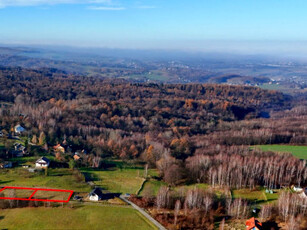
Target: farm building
253 224
42 162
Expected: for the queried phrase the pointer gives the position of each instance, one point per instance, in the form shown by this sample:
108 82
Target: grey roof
44 159
96 191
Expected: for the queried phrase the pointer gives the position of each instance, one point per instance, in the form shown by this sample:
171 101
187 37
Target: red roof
253 223
57 146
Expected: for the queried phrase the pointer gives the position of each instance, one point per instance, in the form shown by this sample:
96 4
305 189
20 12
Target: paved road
142 211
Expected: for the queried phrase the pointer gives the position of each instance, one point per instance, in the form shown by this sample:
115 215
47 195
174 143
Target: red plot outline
34 191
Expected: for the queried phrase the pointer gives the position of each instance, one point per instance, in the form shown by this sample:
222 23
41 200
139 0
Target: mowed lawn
258 196
86 217
118 180
152 187
252 195
57 178
297 151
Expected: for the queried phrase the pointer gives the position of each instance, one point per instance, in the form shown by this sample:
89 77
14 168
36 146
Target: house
59 148
253 224
297 189
99 194
18 146
303 194
19 150
6 164
19 129
96 194
77 157
42 162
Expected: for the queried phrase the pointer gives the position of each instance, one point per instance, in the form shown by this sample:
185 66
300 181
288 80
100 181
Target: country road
124 198
142 211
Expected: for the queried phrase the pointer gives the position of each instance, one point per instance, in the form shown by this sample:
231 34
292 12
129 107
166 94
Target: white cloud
90 4
146 7
106 8
6 3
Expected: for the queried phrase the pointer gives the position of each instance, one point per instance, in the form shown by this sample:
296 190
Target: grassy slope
152 187
57 178
118 180
87 217
298 151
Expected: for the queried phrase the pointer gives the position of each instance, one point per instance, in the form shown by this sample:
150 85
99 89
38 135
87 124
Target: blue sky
163 24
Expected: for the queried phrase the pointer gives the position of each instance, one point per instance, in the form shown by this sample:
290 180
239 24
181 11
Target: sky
208 25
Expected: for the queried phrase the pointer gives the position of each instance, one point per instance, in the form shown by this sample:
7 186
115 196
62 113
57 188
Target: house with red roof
253 224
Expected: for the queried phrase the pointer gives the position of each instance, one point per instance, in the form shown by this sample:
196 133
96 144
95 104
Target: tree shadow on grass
90 176
6 181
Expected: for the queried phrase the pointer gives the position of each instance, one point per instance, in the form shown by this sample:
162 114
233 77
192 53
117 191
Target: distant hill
239 80
160 66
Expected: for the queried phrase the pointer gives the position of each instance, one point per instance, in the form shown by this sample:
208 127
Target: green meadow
119 180
85 217
297 151
56 178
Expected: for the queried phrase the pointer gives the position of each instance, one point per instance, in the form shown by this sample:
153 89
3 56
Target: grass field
51 195
254 195
151 187
118 180
119 177
258 196
57 178
86 217
297 151
29 160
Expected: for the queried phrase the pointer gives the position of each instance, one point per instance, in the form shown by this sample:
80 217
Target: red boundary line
32 194
34 191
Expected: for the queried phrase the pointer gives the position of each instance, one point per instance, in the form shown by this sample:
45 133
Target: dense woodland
191 133
190 128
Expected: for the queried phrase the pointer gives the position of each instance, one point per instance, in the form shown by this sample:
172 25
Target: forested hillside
189 133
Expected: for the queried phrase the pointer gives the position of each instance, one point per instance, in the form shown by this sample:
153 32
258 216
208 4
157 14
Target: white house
19 129
303 194
297 189
42 162
96 194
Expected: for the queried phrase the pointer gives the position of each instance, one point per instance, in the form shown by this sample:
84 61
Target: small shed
42 162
